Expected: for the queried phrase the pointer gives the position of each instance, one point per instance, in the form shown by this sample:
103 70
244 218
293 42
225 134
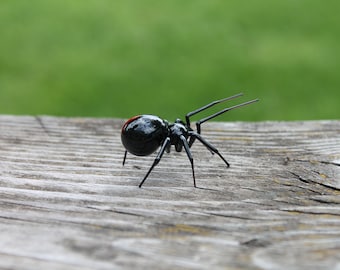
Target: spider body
142 135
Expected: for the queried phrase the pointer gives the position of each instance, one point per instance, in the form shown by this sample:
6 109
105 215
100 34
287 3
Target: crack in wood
311 161
256 242
309 181
322 200
42 125
330 163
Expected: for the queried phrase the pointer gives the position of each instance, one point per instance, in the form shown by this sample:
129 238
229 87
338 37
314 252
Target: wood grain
66 201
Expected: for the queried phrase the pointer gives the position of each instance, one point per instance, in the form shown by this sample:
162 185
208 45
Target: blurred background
106 58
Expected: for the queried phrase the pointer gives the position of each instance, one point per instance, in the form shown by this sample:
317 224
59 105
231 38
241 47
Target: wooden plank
66 201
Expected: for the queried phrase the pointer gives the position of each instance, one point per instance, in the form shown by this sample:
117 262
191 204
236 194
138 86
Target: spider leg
209 146
165 146
199 122
188 115
124 157
187 150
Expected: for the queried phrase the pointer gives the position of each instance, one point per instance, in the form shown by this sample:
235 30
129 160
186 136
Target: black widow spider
143 134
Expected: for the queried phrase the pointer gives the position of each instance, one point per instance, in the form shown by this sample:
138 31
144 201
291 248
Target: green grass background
109 58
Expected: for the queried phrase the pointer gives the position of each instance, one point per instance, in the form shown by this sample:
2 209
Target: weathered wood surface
66 201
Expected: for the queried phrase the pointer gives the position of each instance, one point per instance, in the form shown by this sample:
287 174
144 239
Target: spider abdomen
143 134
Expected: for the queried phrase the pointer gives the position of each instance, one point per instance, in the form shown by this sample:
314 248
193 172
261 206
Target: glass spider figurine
142 135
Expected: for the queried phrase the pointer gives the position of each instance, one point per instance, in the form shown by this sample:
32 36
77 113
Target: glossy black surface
144 134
